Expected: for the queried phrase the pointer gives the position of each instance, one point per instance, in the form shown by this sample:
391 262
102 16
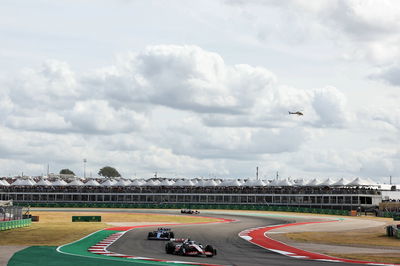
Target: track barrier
7 225
393 230
86 218
259 207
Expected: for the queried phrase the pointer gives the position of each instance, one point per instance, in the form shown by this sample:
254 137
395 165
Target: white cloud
330 106
53 86
97 116
175 109
366 31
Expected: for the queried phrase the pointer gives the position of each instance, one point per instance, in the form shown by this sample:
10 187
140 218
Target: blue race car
161 234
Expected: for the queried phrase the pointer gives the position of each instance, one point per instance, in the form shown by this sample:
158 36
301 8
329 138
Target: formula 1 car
187 247
189 211
161 234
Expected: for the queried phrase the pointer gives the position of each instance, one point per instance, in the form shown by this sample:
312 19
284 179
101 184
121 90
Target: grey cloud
390 75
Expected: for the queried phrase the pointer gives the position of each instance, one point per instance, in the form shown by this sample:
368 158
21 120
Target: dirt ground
361 238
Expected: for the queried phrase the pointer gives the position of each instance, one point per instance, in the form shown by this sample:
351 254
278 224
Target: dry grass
56 228
380 258
360 238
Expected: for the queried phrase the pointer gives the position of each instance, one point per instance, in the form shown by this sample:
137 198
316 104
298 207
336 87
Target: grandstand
326 194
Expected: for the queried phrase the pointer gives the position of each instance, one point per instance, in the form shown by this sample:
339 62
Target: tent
4 183
108 183
285 183
341 182
75 182
122 183
299 182
254 183
43 182
150 183
360 182
92 182
58 183
137 183
314 182
184 183
274 182
166 183
230 183
327 182
207 183
23 182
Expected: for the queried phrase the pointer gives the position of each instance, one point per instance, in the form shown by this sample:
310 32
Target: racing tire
210 248
171 235
169 248
181 251
150 235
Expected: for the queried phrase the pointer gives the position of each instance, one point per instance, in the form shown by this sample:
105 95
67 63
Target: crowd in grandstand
160 185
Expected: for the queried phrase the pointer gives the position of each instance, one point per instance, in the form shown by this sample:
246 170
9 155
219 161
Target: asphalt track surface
231 249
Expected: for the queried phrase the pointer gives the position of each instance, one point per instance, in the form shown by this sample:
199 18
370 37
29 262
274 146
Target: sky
201 88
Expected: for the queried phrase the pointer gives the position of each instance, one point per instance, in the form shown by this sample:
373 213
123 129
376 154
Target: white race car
187 247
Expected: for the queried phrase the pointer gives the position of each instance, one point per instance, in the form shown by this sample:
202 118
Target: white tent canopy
184 183
299 182
122 183
341 182
285 183
43 182
136 183
108 183
166 183
207 183
274 182
360 182
150 183
59 182
4 183
314 182
92 183
230 183
75 182
23 182
327 182
254 183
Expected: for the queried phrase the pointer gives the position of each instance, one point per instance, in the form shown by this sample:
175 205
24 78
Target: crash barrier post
86 218
7 225
389 230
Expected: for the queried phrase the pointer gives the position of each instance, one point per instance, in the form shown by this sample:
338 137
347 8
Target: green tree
108 171
66 172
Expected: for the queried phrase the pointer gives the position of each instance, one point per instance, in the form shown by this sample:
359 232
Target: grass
56 228
360 238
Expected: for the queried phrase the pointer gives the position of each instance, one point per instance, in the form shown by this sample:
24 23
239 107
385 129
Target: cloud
369 162
190 137
183 77
330 106
97 116
53 86
390 74
166 107
353 30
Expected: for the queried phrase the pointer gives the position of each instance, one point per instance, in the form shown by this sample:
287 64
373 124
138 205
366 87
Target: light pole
84 168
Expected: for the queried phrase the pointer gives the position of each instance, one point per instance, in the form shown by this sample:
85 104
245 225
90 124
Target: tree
66 172
108 171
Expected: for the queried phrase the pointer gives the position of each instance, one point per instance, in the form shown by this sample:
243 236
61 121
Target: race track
231 249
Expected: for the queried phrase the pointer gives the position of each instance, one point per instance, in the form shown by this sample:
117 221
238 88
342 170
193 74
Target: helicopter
296 113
